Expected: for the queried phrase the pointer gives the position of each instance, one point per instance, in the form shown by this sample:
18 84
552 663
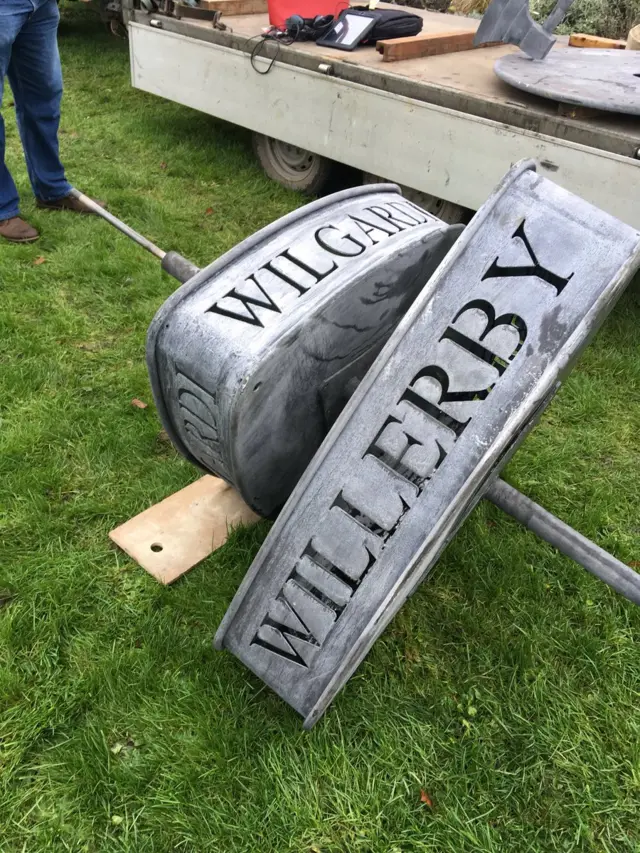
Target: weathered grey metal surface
477 358
510 21
251 360
600 79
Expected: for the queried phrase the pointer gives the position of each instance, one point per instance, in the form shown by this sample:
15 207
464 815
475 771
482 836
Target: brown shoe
16 230
67 202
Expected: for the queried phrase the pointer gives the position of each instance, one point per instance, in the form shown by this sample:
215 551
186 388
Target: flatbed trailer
444 125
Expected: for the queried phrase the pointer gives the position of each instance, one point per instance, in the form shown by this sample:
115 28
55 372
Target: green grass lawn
507 689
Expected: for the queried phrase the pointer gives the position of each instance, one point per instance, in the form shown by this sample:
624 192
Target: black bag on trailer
390 24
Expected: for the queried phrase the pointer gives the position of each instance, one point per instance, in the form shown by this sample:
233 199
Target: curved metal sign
253 358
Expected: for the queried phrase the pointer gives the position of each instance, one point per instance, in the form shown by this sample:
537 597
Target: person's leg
35 76
13 16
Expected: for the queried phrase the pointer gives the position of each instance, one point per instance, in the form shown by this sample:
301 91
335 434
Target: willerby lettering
403 456
535 268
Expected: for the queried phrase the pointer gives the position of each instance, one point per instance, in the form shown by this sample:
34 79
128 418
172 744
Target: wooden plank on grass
585 40
172 536
431 44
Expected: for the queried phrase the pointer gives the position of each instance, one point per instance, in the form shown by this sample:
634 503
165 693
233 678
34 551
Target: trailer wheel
449 212
293 167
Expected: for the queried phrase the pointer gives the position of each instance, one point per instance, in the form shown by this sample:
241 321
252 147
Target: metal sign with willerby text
478 356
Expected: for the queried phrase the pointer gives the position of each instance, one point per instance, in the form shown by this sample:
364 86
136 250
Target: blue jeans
29 57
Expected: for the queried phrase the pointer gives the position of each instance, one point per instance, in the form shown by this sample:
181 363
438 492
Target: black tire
293 167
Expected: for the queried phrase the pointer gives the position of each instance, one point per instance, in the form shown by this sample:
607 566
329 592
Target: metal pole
567 540
175 264
117 223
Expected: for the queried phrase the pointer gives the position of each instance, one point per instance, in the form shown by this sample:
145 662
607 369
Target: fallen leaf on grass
412 654
126 746
5 597
138 403
163 165
116 819
426 799
39 261
208 211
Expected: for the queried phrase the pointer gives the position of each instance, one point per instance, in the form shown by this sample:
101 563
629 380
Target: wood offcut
174 535
235 7
585 40
431 44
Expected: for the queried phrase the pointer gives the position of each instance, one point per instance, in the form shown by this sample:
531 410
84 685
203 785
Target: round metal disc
599 79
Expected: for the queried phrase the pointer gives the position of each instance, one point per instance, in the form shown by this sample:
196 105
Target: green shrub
611 18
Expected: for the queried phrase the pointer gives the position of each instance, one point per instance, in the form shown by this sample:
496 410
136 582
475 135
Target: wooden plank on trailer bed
585 40
430 44
235 7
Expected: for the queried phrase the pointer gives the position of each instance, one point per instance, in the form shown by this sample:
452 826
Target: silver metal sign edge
486 471
344 417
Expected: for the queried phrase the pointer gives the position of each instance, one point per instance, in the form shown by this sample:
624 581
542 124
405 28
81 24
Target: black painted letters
533 269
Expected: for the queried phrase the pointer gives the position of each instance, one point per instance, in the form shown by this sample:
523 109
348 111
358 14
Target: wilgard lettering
408 448
258 300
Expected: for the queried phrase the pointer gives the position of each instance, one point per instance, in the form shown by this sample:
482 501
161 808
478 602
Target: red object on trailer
280 10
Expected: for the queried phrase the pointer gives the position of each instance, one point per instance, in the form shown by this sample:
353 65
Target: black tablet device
348 30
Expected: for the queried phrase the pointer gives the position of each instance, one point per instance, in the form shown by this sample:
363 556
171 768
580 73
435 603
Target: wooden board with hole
174 535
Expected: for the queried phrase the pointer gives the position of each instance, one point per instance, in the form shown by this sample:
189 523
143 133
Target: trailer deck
443 125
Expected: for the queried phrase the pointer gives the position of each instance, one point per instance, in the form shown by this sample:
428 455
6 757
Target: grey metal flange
510 21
